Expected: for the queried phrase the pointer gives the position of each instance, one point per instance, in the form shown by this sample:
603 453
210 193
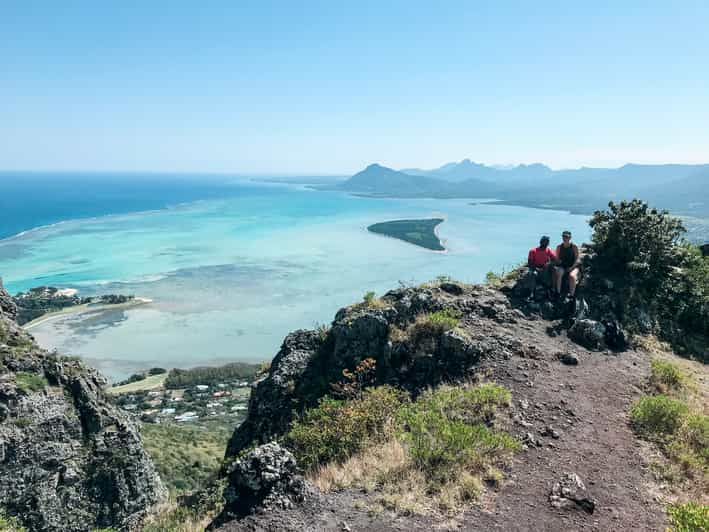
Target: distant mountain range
684 189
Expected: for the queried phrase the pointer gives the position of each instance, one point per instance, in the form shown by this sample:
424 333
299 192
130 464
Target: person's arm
556 255
530 262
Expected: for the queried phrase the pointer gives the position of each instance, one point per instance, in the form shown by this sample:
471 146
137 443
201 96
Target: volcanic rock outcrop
69 459
309 361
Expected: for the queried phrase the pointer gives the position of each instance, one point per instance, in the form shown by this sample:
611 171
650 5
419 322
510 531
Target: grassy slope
148 383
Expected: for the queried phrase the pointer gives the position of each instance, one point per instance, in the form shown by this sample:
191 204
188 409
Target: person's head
544 242
566 237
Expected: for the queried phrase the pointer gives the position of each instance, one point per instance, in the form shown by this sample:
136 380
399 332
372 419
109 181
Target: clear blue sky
328 87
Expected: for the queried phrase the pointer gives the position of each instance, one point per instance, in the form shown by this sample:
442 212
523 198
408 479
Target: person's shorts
561 270
544 276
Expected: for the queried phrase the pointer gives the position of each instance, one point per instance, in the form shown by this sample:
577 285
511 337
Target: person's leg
573 280
558 276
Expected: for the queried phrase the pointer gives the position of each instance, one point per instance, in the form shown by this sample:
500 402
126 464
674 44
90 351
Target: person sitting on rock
567 260
540 260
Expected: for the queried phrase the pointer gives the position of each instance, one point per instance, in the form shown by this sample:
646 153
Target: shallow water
230 277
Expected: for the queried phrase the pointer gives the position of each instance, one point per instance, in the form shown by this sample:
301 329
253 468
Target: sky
328 87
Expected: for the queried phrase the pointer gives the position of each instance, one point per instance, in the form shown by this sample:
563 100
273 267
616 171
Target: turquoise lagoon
229 278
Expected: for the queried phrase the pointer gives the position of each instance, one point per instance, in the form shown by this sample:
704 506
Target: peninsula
418 232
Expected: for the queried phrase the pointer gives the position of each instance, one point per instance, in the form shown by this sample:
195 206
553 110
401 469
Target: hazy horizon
324 174
282 89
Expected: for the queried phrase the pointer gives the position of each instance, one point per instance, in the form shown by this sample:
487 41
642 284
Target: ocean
231 266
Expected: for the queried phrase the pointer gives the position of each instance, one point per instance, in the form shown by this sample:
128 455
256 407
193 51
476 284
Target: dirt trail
586 405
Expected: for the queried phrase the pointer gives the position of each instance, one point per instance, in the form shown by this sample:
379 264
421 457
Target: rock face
411 357
69 460
7 304
264 478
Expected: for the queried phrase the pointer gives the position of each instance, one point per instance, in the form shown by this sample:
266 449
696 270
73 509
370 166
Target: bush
635 241
368 298
9 523
496 280
655 273
446 430
658 416
30 382
665 375
695 435
431 325
689 517
334 430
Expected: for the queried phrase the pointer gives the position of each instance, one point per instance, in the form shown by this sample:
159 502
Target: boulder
588 333
451 288
615 336
570 359
570 493
705 249
264 478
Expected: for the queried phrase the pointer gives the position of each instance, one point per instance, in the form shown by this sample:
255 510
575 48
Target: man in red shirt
540 261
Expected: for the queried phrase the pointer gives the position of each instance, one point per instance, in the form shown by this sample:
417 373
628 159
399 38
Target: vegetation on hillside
30 382
689 517
9 523
431 454
182 378
654 281
186 456
673 416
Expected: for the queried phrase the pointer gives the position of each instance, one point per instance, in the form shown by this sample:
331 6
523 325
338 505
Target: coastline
85 308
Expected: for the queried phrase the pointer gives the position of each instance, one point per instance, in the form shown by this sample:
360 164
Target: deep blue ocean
33 199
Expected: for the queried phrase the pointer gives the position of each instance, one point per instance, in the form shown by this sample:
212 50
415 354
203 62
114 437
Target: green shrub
9 523
369 298
496 280
665 375
22 422
446 430
445 319
689 517
653 270
334 430
695 435
30 382
658 416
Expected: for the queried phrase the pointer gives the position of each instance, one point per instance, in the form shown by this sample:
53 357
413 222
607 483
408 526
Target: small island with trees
418 232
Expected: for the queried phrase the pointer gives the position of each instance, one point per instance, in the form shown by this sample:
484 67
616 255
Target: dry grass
170 517
365 470
388 474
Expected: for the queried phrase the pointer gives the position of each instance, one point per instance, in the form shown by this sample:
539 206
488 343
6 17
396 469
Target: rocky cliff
571 400
69 459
